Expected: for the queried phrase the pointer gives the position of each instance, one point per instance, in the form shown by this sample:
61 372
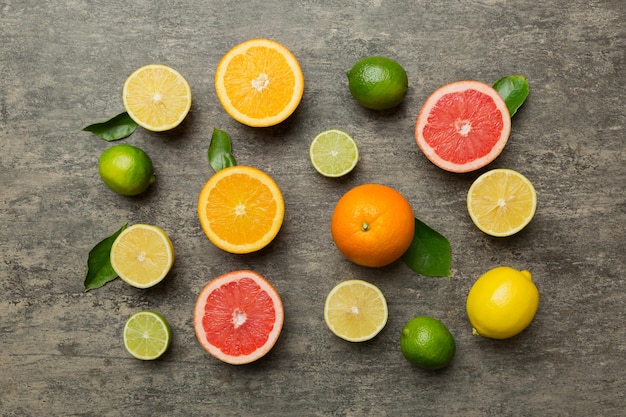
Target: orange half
259 83
241 209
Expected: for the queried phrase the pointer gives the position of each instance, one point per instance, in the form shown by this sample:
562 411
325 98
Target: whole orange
372 225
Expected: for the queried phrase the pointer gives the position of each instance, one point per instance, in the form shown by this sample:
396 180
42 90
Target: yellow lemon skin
502 303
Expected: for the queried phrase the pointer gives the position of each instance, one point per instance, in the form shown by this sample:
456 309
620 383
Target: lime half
146 335
333 153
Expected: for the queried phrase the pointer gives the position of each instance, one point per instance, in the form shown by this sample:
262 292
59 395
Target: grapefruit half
463 126
238 317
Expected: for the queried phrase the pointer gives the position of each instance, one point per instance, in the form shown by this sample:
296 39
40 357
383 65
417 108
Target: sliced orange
241 209
259 83
157 97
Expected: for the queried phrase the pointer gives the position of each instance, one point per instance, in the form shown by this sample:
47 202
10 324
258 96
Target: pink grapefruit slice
238 317
463 126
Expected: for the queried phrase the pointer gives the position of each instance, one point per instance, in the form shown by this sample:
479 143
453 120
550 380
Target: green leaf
513 89
99 270
117 127
220 155
429 253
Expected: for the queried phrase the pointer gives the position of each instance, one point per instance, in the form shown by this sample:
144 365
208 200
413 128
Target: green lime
126 169
427 342
377 82
333 153
146 335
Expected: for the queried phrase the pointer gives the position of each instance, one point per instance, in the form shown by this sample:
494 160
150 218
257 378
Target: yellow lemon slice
501 202
142 255
157 97
355 310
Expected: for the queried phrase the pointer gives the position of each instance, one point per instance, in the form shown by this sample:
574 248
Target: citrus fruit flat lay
372 225
126 169
333 153
463 126
355 310
142 255
238 317
259 82
378 82
157 97
427 342
241 209
502 303
147 335
501 202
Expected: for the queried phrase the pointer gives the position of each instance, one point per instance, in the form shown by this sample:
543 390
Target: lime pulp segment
333 153
146 335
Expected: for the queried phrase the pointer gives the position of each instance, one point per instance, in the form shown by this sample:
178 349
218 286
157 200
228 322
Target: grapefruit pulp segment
238 317
463 126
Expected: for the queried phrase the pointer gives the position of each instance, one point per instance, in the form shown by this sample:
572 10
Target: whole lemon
502 303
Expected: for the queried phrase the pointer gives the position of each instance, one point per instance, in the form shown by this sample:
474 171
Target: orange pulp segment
241 209
259 83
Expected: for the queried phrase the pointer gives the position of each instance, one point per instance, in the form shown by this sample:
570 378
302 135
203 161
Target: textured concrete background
62 66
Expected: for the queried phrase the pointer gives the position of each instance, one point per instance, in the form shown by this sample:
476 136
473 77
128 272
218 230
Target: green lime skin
126 169
427 342
377 82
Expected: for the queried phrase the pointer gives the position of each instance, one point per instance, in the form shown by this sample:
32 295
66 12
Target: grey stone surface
62 66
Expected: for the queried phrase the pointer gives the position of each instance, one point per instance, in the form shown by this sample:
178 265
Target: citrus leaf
219 154
513 89
117 127
99 270
429 253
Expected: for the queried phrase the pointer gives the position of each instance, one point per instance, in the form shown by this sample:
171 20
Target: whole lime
378 82
427 342
126 169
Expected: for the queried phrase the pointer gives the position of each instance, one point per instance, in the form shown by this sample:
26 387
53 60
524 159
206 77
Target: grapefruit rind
458 87
199 316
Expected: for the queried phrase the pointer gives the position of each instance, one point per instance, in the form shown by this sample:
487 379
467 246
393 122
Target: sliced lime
333 153
146 335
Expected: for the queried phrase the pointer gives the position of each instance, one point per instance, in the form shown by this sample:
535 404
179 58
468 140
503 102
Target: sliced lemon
355 310
333 153
147 335
142 255
157 97
501 202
